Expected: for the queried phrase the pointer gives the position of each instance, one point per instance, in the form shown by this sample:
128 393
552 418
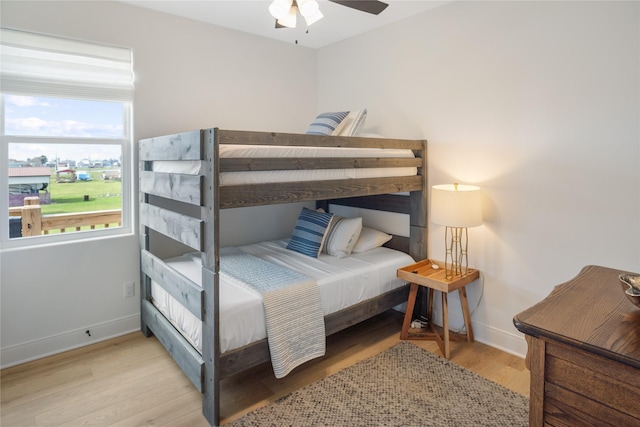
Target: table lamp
456 207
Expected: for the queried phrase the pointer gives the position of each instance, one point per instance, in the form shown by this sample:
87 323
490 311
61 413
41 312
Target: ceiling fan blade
374 7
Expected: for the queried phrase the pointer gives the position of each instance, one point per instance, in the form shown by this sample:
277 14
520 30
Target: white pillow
370 239
353 123
342 236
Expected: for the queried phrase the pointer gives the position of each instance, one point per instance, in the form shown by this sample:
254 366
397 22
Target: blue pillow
328 123
309 232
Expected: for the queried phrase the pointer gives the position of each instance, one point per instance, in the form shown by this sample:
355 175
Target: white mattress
293 152
342 282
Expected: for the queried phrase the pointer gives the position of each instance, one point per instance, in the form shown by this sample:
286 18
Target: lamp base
456 262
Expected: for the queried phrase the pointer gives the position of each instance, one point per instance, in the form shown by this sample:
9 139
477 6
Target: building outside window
65 139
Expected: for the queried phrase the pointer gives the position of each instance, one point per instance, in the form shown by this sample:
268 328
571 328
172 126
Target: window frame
127 179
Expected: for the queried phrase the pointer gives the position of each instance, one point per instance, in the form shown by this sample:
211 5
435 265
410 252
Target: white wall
535 102
188 76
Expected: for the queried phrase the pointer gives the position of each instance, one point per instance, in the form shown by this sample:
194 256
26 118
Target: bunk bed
184 203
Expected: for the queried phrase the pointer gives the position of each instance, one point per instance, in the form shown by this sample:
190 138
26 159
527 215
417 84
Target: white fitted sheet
342 281
262 177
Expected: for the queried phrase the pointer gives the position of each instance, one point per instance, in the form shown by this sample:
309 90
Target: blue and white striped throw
293 311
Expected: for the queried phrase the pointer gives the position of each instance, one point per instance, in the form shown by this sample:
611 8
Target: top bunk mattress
293 152
343 282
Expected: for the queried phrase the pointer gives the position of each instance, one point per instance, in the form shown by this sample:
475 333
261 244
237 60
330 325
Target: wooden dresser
584 353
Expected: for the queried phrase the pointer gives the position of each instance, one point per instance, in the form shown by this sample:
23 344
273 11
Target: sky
55 117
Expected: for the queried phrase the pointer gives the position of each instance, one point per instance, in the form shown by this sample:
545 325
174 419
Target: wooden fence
35 224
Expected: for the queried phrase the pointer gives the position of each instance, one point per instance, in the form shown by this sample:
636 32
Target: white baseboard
513 343
509 342
48 346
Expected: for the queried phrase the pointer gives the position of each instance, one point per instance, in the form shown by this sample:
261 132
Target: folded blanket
293 311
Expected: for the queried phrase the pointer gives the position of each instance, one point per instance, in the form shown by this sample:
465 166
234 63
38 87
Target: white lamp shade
280 8
313 18
456 205
308 8
289 19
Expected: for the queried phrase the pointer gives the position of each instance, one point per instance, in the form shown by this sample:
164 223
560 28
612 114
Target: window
65 138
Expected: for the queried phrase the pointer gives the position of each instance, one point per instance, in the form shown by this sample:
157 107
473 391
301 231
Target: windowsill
79 237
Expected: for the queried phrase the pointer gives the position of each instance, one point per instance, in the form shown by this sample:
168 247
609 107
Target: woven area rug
402 386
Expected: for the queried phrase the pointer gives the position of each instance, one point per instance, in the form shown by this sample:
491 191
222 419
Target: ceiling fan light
308 8
289 20
314 18
280 8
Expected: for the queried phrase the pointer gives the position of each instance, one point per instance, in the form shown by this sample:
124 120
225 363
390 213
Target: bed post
145 281
210 278
419 221
418 216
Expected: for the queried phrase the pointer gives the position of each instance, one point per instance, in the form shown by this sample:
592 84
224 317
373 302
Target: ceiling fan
285 11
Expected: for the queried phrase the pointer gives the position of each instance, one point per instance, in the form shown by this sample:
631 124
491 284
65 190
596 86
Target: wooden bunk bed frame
201 232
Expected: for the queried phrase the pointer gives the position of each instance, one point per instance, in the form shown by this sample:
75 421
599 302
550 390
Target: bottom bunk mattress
342 282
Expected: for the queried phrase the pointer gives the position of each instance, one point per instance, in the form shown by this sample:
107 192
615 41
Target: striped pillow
328 123
309 232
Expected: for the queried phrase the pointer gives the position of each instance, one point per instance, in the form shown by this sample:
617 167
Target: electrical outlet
129 290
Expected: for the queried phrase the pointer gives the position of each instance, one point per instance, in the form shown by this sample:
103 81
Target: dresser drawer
581 388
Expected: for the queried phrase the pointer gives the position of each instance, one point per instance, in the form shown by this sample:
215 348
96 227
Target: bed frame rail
265 164
238 360
284 139
189 360
182 228
246 195
179 187
180 146
187 293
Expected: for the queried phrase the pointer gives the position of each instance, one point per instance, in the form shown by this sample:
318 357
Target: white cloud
24 101
33 126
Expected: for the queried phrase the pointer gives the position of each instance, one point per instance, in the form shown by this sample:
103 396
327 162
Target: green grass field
68 197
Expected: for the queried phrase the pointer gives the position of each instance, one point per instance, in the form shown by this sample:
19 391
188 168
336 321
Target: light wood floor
132 381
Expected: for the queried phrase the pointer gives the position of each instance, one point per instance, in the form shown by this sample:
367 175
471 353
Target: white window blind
36 64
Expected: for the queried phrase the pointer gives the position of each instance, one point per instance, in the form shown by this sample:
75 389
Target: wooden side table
424 274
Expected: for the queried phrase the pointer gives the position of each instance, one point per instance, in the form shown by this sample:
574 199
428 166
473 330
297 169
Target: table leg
430 306
411 303
464 302
445 325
